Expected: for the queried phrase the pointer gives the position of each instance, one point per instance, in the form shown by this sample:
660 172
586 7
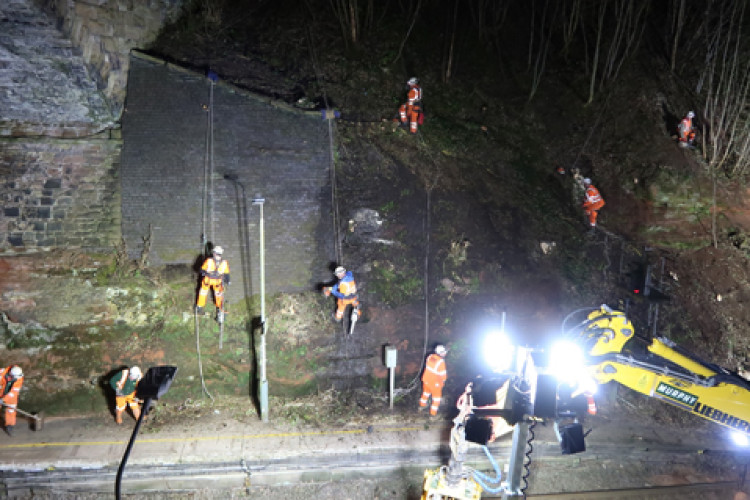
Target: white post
263 379
390 362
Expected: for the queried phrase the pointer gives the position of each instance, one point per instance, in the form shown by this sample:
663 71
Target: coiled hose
527 459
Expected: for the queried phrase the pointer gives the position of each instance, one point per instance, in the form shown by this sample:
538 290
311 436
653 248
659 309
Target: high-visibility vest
346 288
686 126
210 267
592 195
434 370
8 384
415 95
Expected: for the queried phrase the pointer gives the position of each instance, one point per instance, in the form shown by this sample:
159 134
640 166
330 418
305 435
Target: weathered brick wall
173 182
58 160
106 30
59 193
46 87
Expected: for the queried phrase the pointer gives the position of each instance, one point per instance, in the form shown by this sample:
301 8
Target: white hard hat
218 250
440 350
413 81
339 270
587 180
16 372
691 114
135 372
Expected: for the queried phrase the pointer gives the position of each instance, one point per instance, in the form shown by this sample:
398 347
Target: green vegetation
394 285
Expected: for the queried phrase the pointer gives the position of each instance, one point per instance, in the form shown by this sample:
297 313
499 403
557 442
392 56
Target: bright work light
566 361
740 438
498 351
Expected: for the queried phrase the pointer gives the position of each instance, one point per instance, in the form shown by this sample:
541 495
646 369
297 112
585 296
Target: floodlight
498 351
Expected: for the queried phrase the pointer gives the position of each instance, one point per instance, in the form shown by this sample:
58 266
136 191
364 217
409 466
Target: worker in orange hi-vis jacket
411 110
215 274
11 381
686 131
593 202
433 379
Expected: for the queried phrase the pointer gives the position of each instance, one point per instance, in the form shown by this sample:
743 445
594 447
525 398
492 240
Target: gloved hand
327 291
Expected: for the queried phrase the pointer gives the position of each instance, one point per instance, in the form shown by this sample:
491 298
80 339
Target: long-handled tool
37 419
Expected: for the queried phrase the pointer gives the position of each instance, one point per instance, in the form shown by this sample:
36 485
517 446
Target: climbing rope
414 383
206 215
332 162
200 363
211 161
334 200
204 191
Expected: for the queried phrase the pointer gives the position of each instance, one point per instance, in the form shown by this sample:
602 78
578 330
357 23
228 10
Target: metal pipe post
263 379
391 384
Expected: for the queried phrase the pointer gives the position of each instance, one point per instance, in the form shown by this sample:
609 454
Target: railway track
161 480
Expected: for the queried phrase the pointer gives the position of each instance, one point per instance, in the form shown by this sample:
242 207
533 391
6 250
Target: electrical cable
527 460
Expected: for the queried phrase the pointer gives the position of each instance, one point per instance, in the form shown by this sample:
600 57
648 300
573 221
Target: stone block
15 239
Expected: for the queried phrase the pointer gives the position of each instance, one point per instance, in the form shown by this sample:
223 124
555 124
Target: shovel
37 419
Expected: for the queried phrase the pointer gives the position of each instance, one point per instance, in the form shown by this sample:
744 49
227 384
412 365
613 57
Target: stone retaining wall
59 193
106 30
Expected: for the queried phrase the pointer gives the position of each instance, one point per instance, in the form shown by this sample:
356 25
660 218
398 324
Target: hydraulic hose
484 480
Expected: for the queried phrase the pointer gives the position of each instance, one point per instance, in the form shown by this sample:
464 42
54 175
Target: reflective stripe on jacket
415 95
346 288
592 195
8 384
686 126
434 370
212 271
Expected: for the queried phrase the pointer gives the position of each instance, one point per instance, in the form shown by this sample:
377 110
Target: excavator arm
660 369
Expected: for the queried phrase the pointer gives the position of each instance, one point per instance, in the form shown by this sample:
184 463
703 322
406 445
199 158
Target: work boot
198 310
9 430
118 418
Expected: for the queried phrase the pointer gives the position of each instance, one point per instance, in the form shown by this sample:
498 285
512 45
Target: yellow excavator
609 350
661 369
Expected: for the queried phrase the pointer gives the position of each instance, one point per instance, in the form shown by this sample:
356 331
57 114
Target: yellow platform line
205 438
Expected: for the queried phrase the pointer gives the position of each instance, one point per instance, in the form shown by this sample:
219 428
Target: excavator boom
660 369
